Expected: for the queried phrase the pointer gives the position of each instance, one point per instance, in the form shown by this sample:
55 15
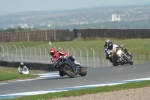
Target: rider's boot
111 60
77 63
80 67
55 67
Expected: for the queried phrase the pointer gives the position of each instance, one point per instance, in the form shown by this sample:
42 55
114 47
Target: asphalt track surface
94 76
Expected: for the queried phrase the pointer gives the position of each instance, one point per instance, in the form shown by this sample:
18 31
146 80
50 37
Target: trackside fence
87 57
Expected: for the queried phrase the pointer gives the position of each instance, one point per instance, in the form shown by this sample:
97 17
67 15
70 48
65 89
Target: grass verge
133 45
49 96
10 73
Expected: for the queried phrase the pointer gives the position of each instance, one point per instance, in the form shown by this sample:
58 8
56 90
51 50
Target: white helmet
107 40
21 63
59 48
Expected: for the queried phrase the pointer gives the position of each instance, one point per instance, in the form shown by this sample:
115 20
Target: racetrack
94 76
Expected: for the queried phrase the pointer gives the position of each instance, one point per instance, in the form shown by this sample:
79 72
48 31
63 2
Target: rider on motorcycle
21 66
106 50
110 48
57 53
106 46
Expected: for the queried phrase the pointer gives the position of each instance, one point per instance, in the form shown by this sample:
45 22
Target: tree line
18 29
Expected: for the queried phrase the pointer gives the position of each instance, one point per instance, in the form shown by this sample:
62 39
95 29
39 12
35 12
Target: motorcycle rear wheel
83 72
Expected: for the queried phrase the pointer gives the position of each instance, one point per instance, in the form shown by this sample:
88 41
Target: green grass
133 45
49 96
9 73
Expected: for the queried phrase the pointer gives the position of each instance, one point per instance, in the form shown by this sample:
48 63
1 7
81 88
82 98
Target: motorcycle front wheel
61 73
114 62
69 71
130 62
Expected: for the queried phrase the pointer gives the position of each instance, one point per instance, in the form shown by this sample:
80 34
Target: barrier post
101 63
148 57
138 56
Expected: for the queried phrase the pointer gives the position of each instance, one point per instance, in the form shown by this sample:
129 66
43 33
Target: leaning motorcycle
121 56
23 70
67 67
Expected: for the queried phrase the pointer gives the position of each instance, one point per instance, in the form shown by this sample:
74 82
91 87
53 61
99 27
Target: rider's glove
106 51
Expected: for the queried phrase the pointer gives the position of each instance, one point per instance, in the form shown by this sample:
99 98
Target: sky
15 6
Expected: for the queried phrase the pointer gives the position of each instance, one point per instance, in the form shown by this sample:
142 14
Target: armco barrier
31 66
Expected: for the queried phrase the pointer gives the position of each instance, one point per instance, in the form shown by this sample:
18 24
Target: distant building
24 25
49 25
115 17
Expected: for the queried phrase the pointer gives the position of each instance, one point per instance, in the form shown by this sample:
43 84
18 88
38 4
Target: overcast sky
15 6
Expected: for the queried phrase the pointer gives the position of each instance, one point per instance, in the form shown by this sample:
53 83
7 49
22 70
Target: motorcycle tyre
131 62
122 63
114 62
61 73
72 75
83 72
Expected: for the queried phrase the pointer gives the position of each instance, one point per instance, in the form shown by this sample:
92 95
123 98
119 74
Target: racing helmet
59 48
52 51
107 41
21 64
110 45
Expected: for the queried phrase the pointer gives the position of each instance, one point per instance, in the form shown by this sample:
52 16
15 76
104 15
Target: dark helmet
110 45
52 51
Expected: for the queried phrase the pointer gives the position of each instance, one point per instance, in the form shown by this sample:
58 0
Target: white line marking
69 88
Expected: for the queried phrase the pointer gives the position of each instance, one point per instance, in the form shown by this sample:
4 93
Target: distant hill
98 17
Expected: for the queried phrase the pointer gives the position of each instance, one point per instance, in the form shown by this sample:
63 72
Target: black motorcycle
121 56
66 67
